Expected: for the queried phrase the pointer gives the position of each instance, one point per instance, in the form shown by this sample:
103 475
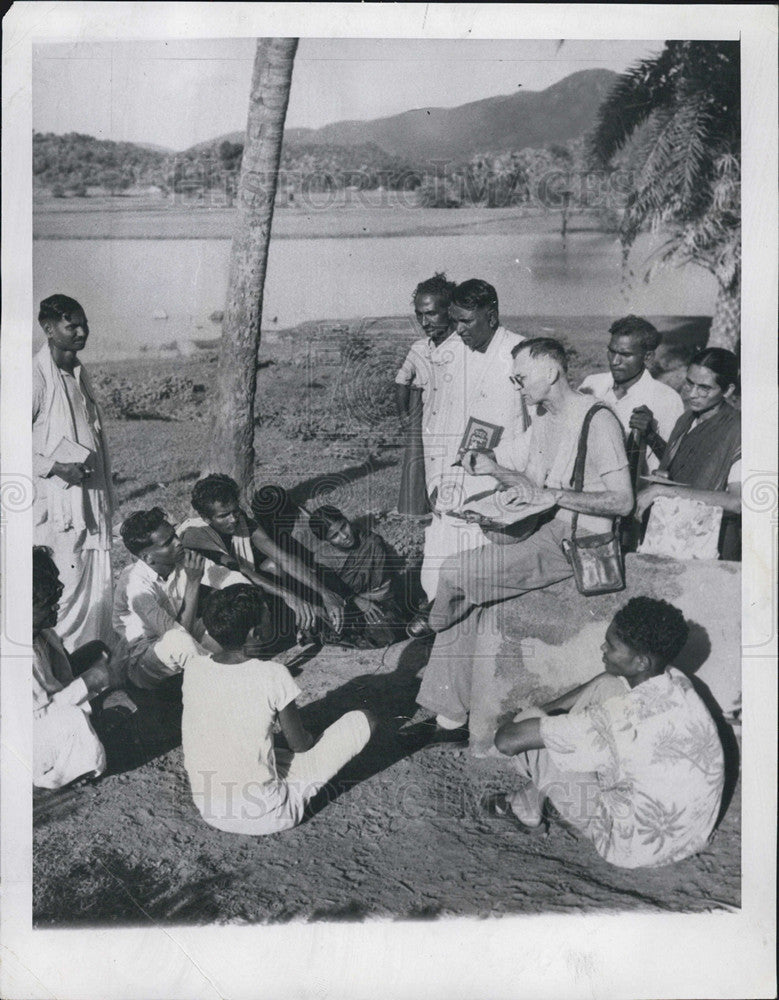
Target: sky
177 93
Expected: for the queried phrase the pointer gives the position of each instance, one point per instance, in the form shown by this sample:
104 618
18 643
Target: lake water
123 283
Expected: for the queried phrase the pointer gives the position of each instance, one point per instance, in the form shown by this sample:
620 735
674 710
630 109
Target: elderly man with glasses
537 469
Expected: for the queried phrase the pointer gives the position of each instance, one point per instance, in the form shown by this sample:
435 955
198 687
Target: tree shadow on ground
695 653
391 697
727 738
142 491
318 488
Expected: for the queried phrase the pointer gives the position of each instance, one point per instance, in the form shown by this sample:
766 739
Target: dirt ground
399 834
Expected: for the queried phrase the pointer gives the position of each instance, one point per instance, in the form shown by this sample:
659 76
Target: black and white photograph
401 461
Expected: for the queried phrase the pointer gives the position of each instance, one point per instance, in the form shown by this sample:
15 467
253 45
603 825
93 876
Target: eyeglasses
518 380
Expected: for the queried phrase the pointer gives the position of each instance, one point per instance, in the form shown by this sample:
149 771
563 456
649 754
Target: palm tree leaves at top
678 118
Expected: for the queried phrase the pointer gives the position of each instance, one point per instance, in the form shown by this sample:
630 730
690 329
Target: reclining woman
355 564
702 459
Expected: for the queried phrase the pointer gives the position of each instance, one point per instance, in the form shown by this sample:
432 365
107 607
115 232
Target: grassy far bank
404 838
342 215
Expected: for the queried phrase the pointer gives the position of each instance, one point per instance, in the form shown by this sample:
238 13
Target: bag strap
577 477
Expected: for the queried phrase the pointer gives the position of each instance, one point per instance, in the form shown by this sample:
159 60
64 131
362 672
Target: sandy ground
399 834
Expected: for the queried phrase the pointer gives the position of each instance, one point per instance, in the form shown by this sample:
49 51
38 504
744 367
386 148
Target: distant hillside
492 151
497 124
77 162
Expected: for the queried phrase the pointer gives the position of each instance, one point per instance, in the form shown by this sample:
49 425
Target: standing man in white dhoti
73 498
477 386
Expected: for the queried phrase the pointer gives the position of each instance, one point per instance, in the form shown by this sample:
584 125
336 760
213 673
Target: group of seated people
193 662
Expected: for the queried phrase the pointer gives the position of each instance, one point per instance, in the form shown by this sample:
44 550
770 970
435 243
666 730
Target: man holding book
535 470
73 501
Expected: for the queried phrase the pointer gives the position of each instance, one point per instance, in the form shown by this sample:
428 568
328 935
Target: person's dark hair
273 509
437 285
636 326
475 294
722 364
45 575
136 530
543 347
215 488
230 614
55 307
652 626
323 518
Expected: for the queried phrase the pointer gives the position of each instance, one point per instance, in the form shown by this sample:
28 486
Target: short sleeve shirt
657 770
664 402
548 456
227 728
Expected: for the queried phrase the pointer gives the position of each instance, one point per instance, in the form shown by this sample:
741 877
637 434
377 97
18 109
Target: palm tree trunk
726 324
232 440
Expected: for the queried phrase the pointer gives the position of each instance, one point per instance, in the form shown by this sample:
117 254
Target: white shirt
664 402
477 386
429 367
146 607
65 746
227 738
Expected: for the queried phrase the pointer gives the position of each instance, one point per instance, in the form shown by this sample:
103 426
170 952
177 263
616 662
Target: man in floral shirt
636 764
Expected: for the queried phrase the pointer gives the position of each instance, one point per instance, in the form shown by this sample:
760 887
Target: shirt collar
146 573
645 376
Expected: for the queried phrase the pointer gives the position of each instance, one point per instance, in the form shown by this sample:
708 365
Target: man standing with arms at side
425 370
641 402
479 387
73 501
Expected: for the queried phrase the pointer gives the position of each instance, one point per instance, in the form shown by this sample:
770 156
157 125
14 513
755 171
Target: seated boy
636 766
240 782
235 544
65 744
156 593
356 565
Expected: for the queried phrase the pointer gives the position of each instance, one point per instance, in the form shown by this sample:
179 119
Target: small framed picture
479 435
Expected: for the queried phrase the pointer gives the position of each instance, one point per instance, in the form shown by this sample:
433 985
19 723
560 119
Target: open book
497 507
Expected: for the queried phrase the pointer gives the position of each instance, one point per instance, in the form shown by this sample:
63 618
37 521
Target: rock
538 646
159 314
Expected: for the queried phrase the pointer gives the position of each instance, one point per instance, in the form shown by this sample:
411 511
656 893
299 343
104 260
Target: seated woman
355 564
702 459
234 542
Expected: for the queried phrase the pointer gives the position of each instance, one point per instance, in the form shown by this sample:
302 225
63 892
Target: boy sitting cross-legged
636 765
240 782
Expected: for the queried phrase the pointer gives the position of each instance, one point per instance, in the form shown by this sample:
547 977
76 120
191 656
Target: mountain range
528 118
396 146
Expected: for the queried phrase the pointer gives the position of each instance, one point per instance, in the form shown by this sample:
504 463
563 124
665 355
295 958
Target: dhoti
86 602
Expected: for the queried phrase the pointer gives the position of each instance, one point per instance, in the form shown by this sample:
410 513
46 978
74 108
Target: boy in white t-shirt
240 782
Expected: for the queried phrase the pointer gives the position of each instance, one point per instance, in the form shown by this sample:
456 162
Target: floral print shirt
657 767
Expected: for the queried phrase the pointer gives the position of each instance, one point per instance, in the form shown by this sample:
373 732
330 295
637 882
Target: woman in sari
356 565
702 459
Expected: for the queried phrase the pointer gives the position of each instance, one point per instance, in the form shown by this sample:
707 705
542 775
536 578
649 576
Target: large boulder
535 647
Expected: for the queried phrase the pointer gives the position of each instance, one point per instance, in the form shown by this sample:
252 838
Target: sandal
496 806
